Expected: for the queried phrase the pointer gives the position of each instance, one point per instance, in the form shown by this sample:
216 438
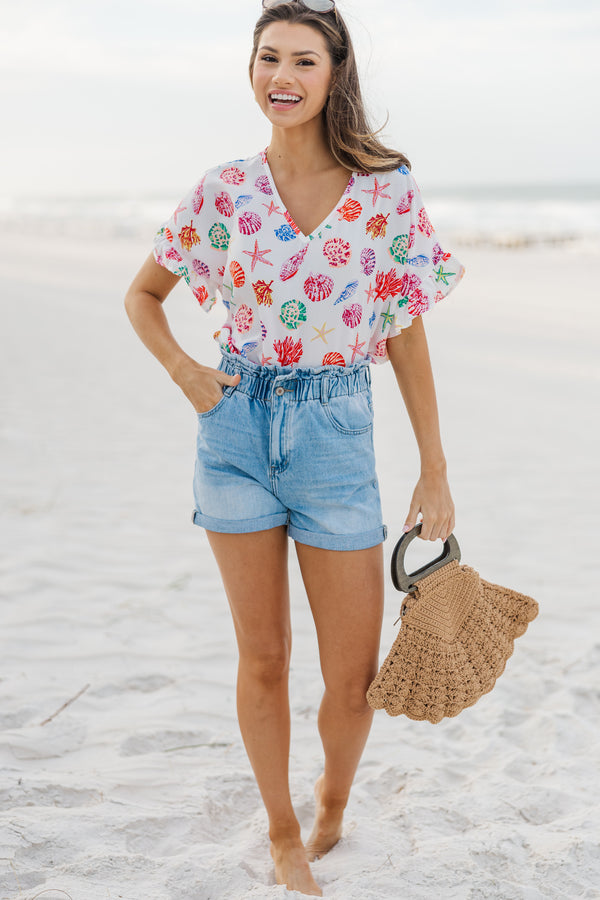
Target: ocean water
516 216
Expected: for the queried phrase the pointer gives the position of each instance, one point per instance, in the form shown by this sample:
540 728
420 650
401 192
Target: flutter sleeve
193 243
429 272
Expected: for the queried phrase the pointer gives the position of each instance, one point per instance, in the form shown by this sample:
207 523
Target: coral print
188 237
372 265
263 292
377 225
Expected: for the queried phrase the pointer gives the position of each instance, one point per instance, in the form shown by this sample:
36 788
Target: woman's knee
268 665
350 694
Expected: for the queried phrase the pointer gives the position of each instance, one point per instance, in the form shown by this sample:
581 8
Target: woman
323 255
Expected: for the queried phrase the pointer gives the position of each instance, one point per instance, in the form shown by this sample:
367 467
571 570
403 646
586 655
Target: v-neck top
332 297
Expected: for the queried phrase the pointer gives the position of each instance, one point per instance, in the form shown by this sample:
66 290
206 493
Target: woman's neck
300 151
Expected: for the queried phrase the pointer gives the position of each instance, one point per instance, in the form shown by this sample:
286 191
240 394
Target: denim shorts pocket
227 392
350 414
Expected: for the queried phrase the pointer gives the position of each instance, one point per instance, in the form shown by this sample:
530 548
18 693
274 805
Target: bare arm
202 385
409 356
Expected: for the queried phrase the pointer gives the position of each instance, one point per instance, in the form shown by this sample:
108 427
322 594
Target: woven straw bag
457 634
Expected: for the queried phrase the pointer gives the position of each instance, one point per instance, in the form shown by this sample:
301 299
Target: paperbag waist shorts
291 446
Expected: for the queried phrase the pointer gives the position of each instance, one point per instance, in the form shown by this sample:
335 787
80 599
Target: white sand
140 789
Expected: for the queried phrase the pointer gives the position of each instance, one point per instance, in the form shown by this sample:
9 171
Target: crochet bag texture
457 633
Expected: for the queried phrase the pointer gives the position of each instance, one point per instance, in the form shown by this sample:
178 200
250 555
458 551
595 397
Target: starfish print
265 359
321 332
440 275
377 191
387 316
179 209
257 255
370 292
356 348
271 208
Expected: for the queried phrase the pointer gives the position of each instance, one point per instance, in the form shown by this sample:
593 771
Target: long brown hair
351 139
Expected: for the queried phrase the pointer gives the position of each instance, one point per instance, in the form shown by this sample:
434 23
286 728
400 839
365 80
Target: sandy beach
140 789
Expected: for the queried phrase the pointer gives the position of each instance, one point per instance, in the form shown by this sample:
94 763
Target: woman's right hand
202 385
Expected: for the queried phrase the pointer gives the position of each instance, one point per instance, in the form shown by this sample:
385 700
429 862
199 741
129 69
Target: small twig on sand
64 706
52 890
191 746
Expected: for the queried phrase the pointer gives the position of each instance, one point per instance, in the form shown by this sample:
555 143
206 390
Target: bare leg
254 571
345 591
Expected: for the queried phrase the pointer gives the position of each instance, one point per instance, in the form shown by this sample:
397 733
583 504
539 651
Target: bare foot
291 867
327 829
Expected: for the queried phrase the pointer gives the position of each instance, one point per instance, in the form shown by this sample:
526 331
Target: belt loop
368 373
324 389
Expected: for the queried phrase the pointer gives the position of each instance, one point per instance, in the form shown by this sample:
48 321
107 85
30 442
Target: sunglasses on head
316 5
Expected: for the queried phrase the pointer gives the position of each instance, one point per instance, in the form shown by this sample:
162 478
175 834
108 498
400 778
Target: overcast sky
139 98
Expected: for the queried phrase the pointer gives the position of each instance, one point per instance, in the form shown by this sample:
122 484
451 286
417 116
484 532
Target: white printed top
332 297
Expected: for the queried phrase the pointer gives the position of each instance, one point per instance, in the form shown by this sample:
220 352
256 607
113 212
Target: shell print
318 287
405 202
263 185
219 236
351 315
291 265
200 268
249 223
418 260
376 226
224 204
399 248
411 236
168 234
172 253
438 255
233 175
333 359
198 198
188 236
337 251
285 233
350 184
263 331
348 292
350 211
368 260
237 274
293 313
243 318
418 304
424 224
242 200
381 349
410 284
248 348
291 222
263 293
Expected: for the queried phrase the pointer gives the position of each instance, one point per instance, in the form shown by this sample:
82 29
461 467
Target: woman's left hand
432 498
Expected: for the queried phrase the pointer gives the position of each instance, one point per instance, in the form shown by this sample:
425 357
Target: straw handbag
457 633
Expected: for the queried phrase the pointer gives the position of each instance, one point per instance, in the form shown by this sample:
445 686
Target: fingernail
406 528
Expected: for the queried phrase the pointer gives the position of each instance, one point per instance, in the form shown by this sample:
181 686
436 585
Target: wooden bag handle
406 582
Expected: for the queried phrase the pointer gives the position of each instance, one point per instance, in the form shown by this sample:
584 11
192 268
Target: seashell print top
332 297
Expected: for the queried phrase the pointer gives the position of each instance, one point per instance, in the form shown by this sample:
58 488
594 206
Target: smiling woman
323 255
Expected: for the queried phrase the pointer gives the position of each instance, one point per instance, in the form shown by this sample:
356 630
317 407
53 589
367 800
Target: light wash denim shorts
291 446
